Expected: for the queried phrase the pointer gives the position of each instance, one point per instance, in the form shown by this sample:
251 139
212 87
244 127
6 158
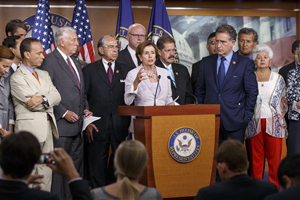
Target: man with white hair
67 76
136 35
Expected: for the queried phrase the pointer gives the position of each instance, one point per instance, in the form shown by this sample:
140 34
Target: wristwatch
45 101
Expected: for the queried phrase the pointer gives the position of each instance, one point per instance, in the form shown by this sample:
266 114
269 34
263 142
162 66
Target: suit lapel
116 75
176 75
78 67
214 69
102 73
232 65
30 77
129 59
65 67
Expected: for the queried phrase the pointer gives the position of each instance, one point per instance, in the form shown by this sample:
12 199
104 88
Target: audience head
295 45
16 27
32 52
108 48
136 35
166 49
262 56
130 162
225 39
231 158
211 43
6 59
146 53
296 51
13 43
289 171
247 40
66 40
18 154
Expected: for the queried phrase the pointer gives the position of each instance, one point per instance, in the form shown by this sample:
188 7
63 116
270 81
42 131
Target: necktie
169 68
36 77
73 72
109 72
221 73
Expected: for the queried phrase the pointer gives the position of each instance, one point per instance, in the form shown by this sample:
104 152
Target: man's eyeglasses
137 35
111 47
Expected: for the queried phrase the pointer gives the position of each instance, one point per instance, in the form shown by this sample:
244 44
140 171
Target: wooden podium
154 126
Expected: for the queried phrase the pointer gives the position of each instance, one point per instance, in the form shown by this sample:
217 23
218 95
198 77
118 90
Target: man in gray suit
67 76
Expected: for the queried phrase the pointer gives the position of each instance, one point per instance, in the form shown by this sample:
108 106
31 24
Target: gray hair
262 47
62 32
135 25
101 41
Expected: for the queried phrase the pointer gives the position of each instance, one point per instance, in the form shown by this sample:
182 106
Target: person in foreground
289 179
130 162
232 165
148 85
18 154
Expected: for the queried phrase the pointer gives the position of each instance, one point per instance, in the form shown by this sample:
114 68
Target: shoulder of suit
92 66
124 51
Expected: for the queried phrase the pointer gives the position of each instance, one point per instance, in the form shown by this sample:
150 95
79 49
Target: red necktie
109 72
73 72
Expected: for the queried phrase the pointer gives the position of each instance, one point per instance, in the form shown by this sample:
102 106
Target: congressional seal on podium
184 145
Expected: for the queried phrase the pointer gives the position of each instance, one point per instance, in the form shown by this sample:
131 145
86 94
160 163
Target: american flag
81 24
42 26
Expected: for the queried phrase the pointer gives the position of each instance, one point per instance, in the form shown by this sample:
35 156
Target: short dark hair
6 53
10 41
19 153
162 40
233 153
141 47
295 45
13 25
226 28
248 31
212 35
289 166
26 45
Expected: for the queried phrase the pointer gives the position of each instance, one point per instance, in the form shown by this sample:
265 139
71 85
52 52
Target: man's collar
62 53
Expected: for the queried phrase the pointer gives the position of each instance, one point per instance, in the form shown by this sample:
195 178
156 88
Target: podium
159 127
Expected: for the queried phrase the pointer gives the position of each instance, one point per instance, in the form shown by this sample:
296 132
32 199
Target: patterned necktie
36 76
73 72
169 68
221 73
109 72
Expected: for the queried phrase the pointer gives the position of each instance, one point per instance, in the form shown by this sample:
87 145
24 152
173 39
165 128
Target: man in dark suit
13 43
289 179
67 77
211 48
18 155
178 74
16 27
228 79
232 164
136 35
247 40
104 89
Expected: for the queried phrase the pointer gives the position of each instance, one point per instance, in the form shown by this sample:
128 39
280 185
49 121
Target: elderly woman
130 162
293 99
147 85
6 107
267 127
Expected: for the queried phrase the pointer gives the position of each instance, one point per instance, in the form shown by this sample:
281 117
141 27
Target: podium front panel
184 177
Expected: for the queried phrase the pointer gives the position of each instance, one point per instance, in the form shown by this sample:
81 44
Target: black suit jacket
80 190
15 190
125 58
292 193
237 188
183 83
195 74
104 98
72 97
285 70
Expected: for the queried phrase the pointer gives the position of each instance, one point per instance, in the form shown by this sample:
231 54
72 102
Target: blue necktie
169 68
221 73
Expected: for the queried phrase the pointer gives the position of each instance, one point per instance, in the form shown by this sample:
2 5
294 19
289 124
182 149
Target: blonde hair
130 162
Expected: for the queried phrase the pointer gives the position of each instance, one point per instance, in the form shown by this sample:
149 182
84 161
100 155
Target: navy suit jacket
125 58
290 193
238 95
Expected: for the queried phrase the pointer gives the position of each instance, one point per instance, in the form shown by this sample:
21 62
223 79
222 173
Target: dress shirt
14 66
73 64
133 56
226 62
105 63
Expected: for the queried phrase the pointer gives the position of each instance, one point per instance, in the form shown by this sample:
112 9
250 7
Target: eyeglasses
137 35
111 47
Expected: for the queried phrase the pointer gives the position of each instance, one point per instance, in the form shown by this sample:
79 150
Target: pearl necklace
153 74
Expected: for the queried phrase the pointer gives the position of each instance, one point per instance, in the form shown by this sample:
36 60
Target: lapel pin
233 62
117 71
176 73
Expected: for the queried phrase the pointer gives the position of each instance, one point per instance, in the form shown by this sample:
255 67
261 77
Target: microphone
156 90
177 85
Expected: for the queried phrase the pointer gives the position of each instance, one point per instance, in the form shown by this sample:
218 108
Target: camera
46 158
